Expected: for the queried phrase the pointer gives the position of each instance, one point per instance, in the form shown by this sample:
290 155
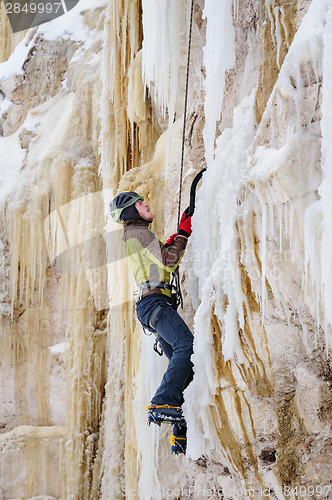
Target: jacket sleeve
167 257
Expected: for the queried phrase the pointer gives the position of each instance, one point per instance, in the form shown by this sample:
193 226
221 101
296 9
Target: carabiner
155 348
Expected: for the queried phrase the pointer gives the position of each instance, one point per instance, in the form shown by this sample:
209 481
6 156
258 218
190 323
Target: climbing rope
185 110
176 276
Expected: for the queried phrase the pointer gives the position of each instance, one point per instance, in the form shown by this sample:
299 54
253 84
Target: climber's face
144 211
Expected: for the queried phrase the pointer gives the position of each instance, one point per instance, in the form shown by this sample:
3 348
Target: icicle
278 33
312 256
276 16
269 9
280 226
283 23
236 9
263 259
291 223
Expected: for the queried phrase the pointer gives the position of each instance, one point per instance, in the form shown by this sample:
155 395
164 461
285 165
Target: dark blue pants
176 341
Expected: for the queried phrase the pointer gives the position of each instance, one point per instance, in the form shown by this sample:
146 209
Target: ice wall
264 262
93 104
8 39
325 187
50 327
218 58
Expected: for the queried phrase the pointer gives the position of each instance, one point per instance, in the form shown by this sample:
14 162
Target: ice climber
152 262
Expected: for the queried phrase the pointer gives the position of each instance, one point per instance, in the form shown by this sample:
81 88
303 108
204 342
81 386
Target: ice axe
191 209
178 299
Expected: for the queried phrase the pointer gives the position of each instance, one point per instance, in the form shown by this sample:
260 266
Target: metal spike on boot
165 413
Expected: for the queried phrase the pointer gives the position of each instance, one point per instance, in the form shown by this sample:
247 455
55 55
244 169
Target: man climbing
152 263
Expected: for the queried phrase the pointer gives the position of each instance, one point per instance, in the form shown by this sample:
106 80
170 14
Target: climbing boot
179 439
165 413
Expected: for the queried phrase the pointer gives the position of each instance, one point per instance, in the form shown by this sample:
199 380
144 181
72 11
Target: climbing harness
151 284
154 317
159 309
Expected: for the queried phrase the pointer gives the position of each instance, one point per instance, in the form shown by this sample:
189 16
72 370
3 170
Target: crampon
179 439
169 414
178 444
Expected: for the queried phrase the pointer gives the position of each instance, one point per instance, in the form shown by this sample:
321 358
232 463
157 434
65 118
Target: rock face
93 105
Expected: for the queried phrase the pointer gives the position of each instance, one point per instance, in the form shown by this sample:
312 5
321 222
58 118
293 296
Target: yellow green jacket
148 258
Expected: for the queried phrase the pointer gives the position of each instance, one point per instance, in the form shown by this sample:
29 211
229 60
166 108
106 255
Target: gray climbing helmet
122 201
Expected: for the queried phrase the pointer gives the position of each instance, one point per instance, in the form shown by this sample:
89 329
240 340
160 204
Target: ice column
326 186
218 57
161 51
